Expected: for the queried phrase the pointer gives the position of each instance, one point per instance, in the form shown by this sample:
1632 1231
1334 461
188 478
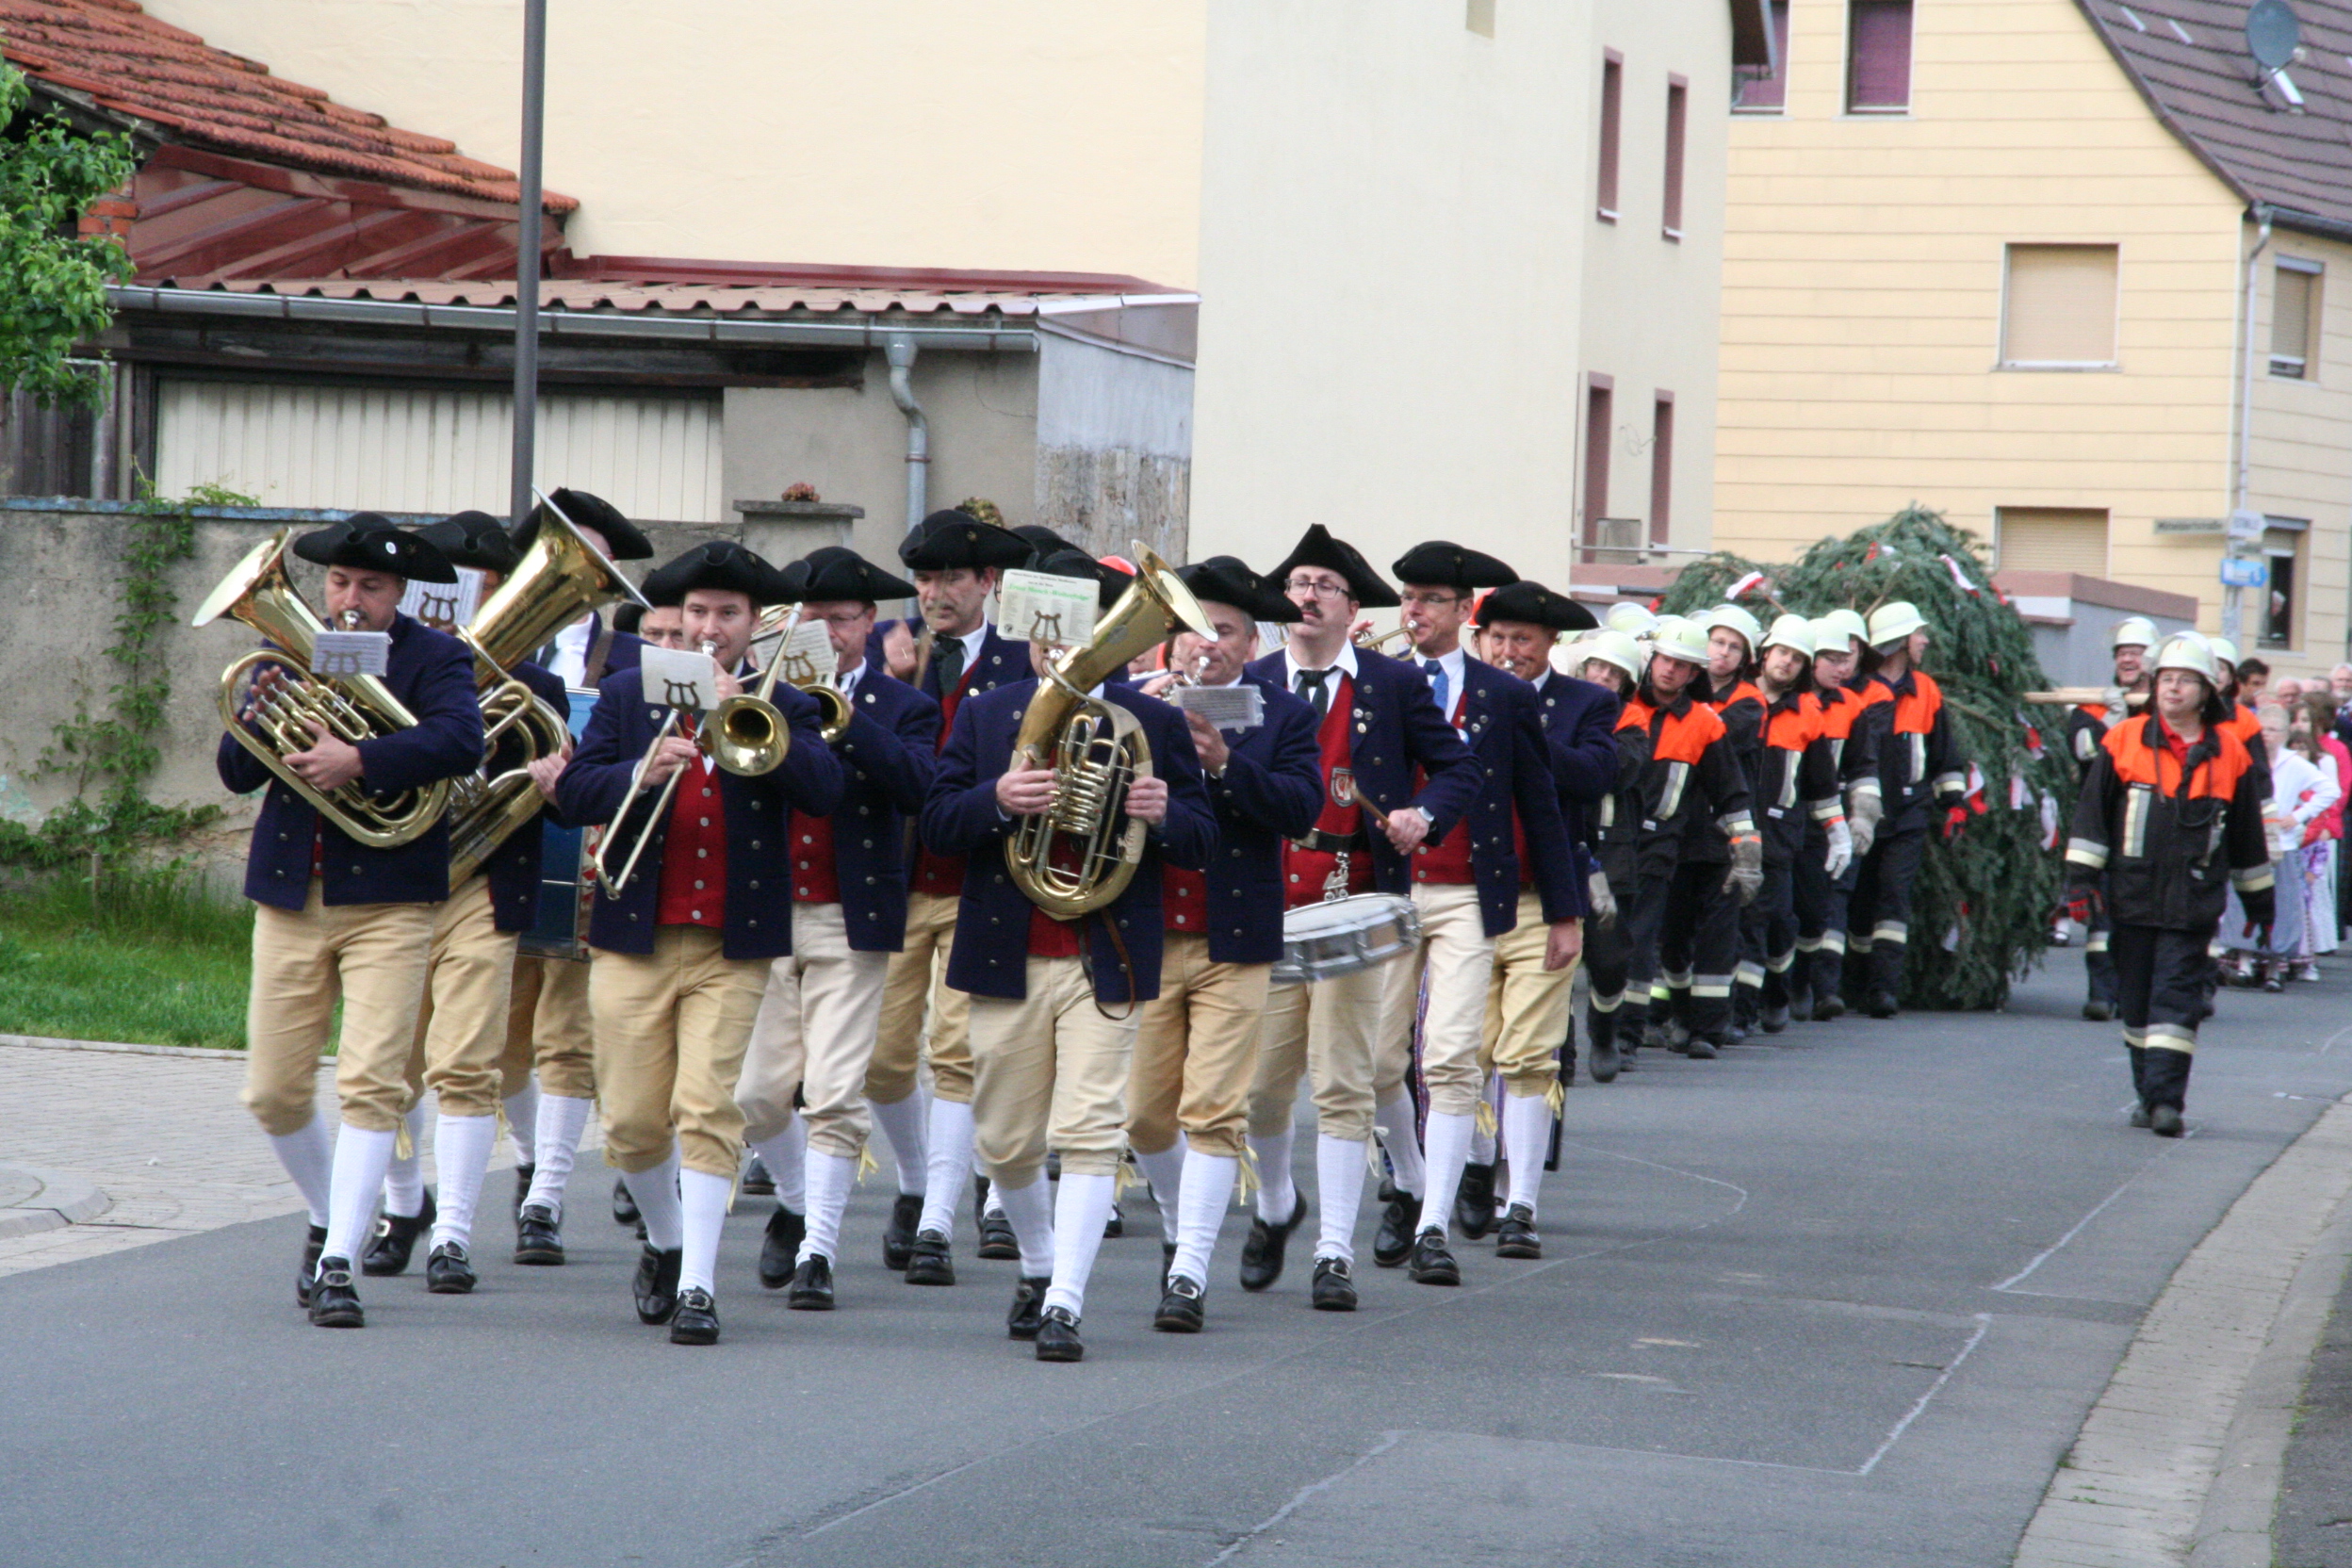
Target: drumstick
1379 818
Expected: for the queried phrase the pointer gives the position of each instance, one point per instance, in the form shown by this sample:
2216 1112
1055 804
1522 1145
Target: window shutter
1878 42
2054 539
2061 305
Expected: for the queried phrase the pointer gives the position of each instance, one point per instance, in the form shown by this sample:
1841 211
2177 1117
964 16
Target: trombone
614 882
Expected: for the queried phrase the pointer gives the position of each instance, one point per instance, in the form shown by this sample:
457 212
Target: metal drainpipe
2231 614
899 348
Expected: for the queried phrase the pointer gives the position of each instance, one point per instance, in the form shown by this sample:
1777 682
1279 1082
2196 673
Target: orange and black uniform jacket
1852 744
2172 837
1741 706
1796 777
1918 756
1680 793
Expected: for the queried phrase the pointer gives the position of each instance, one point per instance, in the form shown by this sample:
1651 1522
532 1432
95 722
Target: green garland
1979 911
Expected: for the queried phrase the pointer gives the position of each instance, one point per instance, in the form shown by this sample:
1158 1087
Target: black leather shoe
449 1271
756 1181
393 1240
996 1240
2140 1117
334 1301
522 1191
623 1206
1116 1225
779 1250
898 1237
1774 1019
1393 1242
313 1244
537 1239
1180 1307
1057 1336
929 1262
1433 1264
812 1286
1474 1200
1515 1236
1334 1287
1261 1253
697 1319
2162 1120
1883 1004
1028 1304
656 1284
2098 1010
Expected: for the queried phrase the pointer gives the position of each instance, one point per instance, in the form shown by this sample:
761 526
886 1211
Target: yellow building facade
2019 295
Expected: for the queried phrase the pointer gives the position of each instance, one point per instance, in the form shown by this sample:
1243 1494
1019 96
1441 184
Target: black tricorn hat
720 564
1228 580
623 540
1109 581
1316 547
1535 605
368 543
1443 564
473 539
954 538
838 572
1042 540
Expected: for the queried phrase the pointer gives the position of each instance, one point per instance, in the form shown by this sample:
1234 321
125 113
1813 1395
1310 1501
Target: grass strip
154 957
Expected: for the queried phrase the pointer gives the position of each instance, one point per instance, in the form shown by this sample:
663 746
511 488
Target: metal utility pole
531 220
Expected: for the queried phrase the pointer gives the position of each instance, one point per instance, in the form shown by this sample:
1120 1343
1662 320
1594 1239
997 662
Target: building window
1878 56
1599 420
2058 307
2051 539
2282 542
1661 465
1612 113
1768 94
2294 320
1677 127
1480 18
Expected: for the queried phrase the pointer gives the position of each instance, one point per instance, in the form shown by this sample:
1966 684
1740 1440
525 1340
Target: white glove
1596 894
1840 846
1863 810
1746 877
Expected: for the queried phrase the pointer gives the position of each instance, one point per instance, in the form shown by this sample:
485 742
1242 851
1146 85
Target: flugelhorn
612 881
1096 749
354 707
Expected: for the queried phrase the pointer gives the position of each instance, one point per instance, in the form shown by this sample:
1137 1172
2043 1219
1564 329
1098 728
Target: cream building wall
1021 134
1862 313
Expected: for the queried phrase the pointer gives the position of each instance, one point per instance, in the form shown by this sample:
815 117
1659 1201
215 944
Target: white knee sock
829 1179
1275 1180
1527 1133
404 1179
1483 1141
1338 1192
1449 1150
1208 1185
702 1209
1165 1171
655 1192
1031 1211
308 1156
555 1148
1080 1211
1403 1143
522 1118
360 1157
947 1165
461 1153
902 1121
994 1202
786 1155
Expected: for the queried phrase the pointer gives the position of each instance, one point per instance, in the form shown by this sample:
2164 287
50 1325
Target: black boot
1601 1028
2167 1090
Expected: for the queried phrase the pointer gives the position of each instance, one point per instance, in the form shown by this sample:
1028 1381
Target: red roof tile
131 64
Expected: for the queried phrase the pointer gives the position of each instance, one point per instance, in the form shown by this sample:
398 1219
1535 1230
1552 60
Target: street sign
2192 525
2246 572
2245 525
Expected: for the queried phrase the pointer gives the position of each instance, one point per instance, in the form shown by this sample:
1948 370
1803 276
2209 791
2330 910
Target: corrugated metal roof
704 299
2189 58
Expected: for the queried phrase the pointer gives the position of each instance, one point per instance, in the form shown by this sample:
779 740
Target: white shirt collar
570 665
1346 660
847 680
972 641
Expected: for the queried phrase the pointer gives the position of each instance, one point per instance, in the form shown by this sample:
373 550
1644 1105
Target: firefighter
2172 816
1614 1015
1733 651
1839 637
1796 783
2086 726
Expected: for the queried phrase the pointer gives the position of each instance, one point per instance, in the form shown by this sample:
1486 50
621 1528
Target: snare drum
1320 941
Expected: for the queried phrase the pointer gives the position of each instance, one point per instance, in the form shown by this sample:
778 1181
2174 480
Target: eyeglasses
1430 601
1322 588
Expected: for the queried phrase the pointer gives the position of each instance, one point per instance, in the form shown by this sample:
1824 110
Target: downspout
2230 614
899 348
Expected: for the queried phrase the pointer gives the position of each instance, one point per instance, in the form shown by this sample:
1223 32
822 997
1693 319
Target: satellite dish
2273 32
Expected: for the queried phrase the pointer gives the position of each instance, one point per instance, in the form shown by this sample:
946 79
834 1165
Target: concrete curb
59 1201
209 1052
2179 1461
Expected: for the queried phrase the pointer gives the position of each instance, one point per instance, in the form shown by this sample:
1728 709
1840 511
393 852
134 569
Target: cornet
615 882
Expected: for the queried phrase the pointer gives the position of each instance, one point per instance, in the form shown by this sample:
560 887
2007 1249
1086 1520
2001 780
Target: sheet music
1240 706
679 677
444 606
1037 607
349 653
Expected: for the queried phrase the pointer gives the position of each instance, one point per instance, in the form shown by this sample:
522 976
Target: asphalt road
1842 1298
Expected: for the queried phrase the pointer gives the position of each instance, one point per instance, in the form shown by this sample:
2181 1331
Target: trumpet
746 734
1379 644
833 707
615 882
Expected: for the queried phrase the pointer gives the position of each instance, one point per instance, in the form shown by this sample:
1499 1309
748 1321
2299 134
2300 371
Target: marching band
1040 906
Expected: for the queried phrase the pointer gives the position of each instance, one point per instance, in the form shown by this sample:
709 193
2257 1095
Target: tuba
561 579
354 707
1096 750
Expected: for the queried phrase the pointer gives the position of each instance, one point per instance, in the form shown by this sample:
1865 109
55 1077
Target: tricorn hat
1443 564
838 572
1316 547
1042 540
1535 605
367 542
473 539
622 538
1228 580
720 564
954 538
1109 581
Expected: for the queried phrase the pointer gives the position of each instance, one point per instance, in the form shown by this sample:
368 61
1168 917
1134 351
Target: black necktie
1314 686
948 658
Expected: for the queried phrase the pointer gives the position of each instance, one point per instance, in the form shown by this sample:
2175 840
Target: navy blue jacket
623 654
1002 660
887 759
513 866
1580 724
1499 720
1395 727
1273 790
758 838
990 953
432 675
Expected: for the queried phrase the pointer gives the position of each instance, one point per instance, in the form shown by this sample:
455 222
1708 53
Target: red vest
1447 862
693 857
942 876
1304 870
1184 900
814 880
